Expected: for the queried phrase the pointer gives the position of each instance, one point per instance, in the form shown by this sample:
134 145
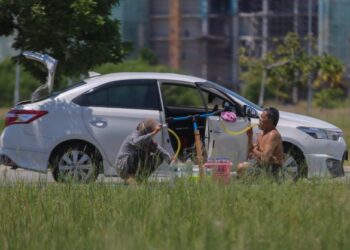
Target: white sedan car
78 132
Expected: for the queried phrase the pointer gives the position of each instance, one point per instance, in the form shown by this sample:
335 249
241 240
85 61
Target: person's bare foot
130 180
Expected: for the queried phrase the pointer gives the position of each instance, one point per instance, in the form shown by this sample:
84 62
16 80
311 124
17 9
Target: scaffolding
264 23
203 37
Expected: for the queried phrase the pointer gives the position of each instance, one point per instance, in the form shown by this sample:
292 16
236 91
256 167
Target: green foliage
252 71
330 74
289 66
28 84
7 83
329 98
185 215
145 54
79 33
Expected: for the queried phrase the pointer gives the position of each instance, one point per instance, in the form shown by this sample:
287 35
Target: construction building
203 37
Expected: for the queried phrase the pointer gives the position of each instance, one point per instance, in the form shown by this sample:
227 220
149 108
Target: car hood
295 120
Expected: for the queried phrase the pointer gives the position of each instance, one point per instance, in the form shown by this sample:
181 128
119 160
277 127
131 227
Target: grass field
309 214
185 215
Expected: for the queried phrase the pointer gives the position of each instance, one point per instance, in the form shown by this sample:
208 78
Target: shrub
329 98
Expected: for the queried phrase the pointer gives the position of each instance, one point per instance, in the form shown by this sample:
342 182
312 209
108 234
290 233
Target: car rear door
114 110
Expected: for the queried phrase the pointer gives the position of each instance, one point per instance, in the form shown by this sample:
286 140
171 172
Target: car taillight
15 116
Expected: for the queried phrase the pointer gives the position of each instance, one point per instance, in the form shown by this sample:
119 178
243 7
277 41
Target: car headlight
319 133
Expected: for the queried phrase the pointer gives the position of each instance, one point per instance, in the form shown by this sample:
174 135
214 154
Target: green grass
264 215
182 215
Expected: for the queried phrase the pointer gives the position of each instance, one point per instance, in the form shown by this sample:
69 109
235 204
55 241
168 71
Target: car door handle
98 123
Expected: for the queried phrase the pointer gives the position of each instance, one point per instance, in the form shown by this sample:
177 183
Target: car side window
133 94
215 101
177 95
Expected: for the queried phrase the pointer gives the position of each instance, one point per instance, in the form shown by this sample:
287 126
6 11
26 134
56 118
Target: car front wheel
75 162
294 165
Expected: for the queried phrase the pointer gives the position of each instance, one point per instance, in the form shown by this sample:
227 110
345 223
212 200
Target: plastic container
219 169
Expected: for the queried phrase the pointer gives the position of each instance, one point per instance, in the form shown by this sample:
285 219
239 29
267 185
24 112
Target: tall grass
183 215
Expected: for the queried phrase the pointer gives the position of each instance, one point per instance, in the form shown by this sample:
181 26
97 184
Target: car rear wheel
75 162
294 165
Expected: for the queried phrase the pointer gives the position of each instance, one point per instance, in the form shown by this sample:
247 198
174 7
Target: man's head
147 126
269 118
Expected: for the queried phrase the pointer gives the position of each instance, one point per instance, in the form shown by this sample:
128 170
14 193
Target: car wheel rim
290 167
75 165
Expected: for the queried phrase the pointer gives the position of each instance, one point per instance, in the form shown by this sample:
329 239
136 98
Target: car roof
143 75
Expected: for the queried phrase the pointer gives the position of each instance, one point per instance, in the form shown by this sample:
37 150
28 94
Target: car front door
114 110
223 138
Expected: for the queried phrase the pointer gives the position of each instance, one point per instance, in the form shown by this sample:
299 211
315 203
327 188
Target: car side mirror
250 112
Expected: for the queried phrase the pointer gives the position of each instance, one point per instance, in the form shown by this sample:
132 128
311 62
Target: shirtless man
267 153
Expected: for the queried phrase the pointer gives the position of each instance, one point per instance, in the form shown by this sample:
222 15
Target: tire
294 166
76 162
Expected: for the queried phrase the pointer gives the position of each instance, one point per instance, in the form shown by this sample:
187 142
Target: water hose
178 142
239 132
226 130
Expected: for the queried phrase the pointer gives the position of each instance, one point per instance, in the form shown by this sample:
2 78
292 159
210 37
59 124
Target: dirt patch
3 112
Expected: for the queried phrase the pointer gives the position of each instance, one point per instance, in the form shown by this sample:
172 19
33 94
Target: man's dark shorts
255 169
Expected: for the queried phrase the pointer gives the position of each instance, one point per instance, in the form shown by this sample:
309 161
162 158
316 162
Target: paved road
13 175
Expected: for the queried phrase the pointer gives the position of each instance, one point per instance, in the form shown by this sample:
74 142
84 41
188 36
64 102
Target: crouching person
267 154
139 155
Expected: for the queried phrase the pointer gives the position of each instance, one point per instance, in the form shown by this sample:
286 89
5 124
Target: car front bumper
321 165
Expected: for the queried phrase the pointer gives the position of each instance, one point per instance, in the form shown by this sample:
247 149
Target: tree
288 67
79 33
7 75
7 80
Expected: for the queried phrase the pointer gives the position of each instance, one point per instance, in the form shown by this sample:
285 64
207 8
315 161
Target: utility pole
235 44
296 17
265 9
174 34
16 92
204 25
309 51
296 31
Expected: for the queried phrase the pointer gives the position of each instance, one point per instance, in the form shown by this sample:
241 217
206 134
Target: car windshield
234 94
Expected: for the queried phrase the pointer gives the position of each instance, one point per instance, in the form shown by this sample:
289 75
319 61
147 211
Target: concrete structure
203 37
334 22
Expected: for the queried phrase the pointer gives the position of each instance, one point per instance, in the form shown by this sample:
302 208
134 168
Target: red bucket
220 169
